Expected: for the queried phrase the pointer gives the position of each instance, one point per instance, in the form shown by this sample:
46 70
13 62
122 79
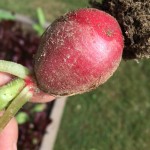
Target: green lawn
51 8
113 117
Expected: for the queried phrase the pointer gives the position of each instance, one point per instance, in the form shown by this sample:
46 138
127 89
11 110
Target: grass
113 117
51 8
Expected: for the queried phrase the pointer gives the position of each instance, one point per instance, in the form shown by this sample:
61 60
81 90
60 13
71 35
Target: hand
9 136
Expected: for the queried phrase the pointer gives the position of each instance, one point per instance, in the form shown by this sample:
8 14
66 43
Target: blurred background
116 116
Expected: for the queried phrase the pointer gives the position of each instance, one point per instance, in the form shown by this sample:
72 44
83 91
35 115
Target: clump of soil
134 19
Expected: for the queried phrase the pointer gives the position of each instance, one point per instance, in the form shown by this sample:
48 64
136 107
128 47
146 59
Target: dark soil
19 46
134 19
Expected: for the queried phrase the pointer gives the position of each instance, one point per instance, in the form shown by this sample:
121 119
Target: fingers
9 136
41 97
4 78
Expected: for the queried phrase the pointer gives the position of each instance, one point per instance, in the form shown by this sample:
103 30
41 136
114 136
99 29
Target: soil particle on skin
134 19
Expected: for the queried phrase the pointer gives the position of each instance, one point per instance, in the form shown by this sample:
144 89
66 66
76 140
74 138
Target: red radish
78 52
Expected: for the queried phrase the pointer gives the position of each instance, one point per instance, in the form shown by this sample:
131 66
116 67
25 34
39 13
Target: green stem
14 69
10 91
24 96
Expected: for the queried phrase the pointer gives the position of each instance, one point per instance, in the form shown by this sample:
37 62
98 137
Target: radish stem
14 69
10 91
24 96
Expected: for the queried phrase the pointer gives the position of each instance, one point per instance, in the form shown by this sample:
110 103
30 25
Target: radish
78 52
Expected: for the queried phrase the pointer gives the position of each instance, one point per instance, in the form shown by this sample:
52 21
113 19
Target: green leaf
14 69
38 29
10 91
39 108
21 99
22 117
5 15
41 16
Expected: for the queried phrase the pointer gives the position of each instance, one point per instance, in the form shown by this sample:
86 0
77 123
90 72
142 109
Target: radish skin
78 52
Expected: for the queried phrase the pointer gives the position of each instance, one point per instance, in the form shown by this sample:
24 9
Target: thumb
9 136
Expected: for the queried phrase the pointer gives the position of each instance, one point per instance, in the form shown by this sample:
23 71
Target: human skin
9 136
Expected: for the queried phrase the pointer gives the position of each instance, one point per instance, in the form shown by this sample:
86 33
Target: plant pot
53 110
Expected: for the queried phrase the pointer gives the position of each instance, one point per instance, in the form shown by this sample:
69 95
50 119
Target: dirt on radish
78 52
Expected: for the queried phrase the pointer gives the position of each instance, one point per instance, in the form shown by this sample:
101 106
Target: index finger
4 78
